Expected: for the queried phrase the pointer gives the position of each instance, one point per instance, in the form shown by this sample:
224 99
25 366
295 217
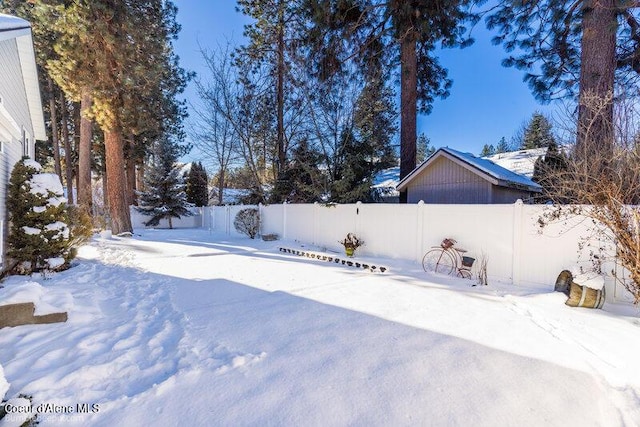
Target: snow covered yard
185 327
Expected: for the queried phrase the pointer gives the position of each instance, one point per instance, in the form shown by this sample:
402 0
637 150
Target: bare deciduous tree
212 132
604 186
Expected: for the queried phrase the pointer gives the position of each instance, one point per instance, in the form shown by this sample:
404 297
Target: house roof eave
32 85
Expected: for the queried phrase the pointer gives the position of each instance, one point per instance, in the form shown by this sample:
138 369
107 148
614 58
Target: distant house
21 117
451 176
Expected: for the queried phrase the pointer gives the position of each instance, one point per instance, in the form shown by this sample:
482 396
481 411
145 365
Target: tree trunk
221 179
130 164
595 111
54 128
84 153
105 197
116 183
408 107
140 176
68 154
131 180
280 94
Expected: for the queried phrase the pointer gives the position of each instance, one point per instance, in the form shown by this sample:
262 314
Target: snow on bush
43 183
247 222
55 263
30 231
39 235
33 165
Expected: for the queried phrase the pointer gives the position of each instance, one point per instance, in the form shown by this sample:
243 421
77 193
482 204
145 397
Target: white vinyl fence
195 221
516 248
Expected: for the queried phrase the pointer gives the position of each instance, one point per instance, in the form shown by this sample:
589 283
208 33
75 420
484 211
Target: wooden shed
451 176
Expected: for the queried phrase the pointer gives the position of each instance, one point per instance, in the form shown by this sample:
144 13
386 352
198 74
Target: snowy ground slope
193 328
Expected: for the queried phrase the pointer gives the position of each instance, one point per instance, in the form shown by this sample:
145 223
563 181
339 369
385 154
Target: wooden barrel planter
579 296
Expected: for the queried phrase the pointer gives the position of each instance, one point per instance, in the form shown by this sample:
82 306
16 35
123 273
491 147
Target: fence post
516 251
316 205
419 231
284 220
357 219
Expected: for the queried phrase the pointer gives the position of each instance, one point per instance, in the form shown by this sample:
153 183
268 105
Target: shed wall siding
508 195
12 90
447 182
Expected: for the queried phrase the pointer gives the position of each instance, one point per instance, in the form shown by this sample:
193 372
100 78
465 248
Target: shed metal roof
12 23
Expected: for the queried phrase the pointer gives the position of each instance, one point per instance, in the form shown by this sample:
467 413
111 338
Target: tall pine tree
354 177
303 180
573 47
164 196
548 172
538 133
197 185
118 55
273 40
391 32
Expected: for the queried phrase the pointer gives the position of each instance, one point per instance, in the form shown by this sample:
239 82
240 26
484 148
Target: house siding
12 90
15 104
447 182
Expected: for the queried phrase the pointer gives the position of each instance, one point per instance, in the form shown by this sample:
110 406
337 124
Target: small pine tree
547 172
424 149
197 185
503 146
538 133
355 174
303 180
488 150
164 195
39 234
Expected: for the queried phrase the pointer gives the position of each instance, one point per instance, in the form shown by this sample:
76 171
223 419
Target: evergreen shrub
39 234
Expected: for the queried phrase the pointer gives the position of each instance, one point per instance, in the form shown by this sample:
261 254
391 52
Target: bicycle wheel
464 273
439 261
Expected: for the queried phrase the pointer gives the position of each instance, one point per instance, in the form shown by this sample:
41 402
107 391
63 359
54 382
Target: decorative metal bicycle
446 259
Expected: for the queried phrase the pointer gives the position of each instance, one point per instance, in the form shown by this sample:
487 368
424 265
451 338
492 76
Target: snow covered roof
12 23
386 181
500 175
521 161
230 196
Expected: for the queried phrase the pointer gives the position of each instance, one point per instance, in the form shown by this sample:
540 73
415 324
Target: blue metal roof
10 23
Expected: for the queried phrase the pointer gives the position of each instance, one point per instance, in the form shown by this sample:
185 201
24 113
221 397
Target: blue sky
487 101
